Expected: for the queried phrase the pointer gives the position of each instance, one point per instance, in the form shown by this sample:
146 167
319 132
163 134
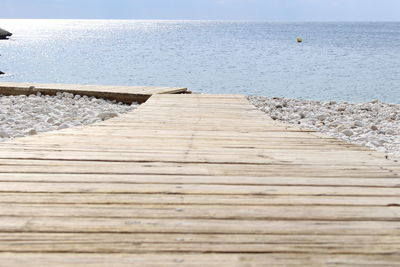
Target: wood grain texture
196 180
126 94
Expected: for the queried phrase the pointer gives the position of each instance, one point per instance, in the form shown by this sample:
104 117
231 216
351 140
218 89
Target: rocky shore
373 124
4 34
28 115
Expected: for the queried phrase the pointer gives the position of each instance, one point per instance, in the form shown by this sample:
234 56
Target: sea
337 61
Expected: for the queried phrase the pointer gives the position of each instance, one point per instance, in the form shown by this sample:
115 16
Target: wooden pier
196 180
126 94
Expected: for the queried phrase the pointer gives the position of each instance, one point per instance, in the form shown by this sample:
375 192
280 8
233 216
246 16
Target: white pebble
28 115
374 124
4 134
31 132
358 124
322 117
107 115
348 132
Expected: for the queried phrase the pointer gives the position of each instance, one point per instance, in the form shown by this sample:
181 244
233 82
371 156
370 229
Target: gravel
374 124
28 115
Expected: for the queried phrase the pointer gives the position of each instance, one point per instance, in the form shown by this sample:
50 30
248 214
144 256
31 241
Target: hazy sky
268 10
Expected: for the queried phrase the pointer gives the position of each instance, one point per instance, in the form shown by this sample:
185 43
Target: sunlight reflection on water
336 61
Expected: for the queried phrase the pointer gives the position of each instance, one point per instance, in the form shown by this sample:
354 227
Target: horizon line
217 20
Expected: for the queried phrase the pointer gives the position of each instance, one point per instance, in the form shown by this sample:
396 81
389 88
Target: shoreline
374 124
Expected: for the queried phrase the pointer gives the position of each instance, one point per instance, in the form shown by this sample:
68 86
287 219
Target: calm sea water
337 61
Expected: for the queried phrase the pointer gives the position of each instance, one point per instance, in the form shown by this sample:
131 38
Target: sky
262 10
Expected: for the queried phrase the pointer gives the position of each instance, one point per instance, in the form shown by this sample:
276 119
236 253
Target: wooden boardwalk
196 180
127 94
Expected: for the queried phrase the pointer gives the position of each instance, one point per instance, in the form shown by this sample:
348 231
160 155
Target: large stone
348 132
4 34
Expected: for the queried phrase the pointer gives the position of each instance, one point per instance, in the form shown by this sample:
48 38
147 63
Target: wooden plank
99 88
194 259
260 190
191 243
210 226
207 180
174 168
195 180
126 94
192 211
160 154
179 199
181 238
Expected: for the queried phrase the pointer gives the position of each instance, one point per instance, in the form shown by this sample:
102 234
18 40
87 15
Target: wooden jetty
196 180
126 94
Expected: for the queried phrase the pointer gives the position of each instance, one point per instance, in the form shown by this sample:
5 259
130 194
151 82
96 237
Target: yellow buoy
299 40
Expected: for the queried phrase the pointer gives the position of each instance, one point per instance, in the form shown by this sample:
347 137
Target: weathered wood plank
195 180
203 189
178 199
194 259
127 94
192 180
181 168
192 211
150 243
209 226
